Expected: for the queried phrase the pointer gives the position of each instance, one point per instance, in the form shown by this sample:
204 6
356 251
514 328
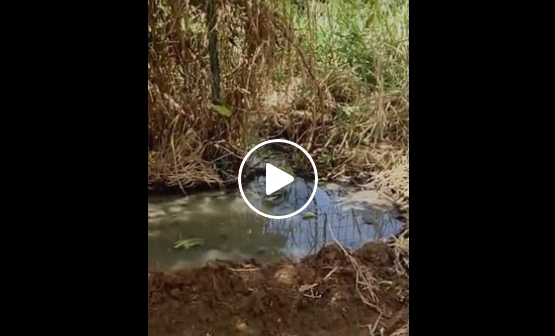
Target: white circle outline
313 167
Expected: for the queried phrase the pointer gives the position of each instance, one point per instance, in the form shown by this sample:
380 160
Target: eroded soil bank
323 295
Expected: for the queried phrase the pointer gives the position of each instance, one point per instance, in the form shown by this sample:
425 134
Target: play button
276 179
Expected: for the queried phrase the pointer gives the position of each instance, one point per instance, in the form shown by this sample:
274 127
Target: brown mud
327 294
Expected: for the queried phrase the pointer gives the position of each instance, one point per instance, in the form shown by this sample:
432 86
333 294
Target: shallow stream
187 231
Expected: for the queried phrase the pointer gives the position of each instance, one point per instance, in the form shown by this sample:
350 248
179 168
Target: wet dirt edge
334 292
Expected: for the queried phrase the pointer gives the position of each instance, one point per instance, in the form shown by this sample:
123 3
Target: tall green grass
366 41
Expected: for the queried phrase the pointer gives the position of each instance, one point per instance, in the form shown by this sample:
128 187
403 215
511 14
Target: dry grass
282 78
368 287
189 143
403 331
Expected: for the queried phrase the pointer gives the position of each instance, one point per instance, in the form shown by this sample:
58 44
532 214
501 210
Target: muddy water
224 227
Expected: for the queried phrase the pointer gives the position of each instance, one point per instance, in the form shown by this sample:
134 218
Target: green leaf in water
268 205
273 198
309 215
279 194
222 110
186 244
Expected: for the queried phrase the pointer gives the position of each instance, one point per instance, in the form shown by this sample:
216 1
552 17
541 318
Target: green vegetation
332 77
188 243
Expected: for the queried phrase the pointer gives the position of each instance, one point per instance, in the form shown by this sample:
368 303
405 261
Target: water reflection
230 230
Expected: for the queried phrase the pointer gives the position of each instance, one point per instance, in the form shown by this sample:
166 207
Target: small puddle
220 225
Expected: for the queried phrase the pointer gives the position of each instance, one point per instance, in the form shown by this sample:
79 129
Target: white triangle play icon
276 179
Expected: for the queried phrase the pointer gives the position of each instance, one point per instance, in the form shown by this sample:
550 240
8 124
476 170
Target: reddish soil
251 299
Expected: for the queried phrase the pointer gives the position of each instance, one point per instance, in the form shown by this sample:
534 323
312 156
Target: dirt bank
322 295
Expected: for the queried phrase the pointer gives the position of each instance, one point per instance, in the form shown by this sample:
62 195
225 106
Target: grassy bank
331 76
